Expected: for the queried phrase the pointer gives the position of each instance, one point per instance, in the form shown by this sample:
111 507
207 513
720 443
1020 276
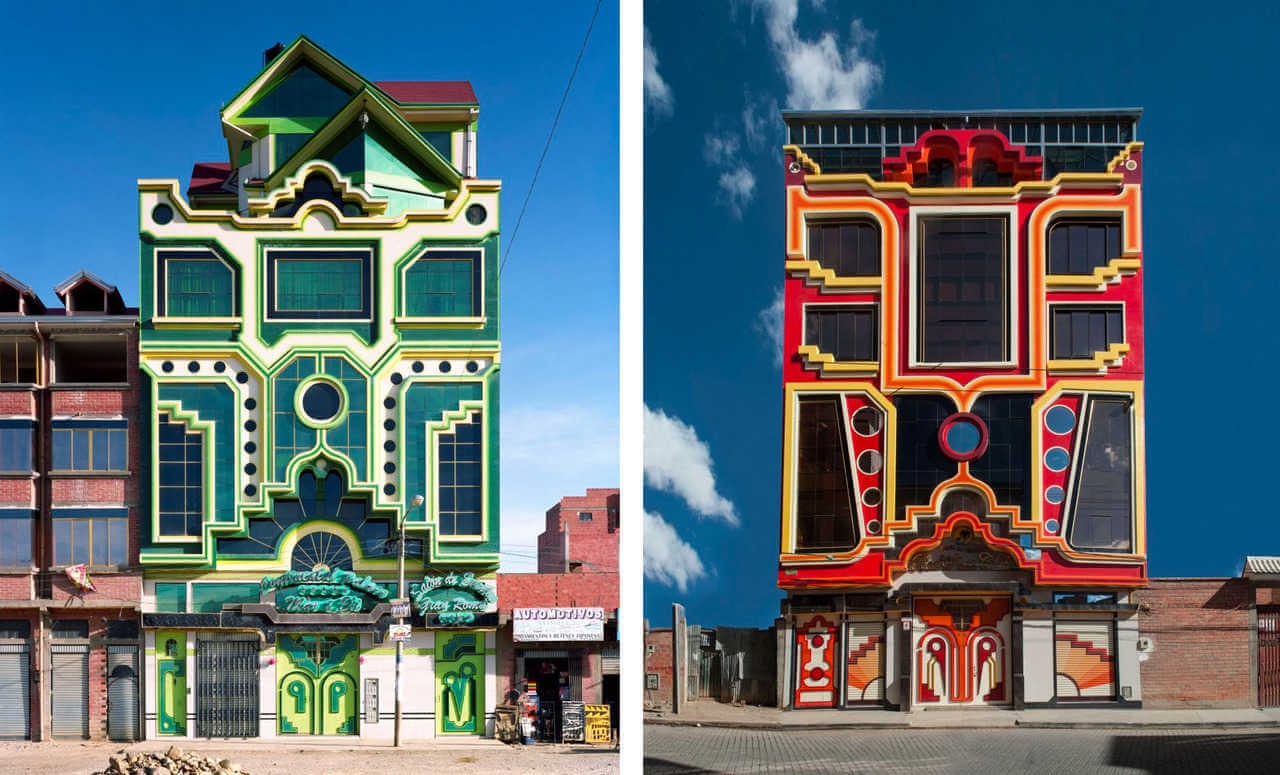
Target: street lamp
417 501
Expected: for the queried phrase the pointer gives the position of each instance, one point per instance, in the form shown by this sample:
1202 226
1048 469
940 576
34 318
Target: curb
1266 724
774 726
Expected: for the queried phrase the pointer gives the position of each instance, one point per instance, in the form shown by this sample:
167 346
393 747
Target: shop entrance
550 677
316 692
960 650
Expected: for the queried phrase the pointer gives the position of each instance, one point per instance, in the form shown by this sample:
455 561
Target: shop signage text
553 624
323 591
455 598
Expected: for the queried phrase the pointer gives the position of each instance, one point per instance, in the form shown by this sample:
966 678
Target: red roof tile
208 176
429 92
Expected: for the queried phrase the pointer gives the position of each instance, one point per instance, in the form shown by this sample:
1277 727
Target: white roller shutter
864 661
70 691
15 691
122 692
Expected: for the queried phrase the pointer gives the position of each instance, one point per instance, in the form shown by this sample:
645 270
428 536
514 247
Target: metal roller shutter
610 664
122 692
15 691
864 661
1084 659
70 691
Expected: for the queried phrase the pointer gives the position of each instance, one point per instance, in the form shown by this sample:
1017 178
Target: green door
317 686
460 682
171 682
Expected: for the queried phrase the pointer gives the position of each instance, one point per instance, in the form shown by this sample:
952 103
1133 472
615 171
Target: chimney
270 54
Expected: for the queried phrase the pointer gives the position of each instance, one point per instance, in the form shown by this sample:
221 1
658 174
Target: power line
563 98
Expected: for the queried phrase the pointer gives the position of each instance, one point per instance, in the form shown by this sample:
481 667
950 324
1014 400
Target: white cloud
761 124
668 560
737 186
658 98
768 324
820 73
722 151
677 461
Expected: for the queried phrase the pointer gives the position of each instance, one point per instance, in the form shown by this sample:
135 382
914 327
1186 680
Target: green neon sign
324 591
455 598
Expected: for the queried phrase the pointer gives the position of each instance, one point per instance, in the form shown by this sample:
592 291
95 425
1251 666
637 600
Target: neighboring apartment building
558 629
319 346
963 511
69 459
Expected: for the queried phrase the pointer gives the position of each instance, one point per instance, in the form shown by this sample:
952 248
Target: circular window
873 527
1054 495
162 214
866 421
321 402
476 215
1056 459
871 497
1060 419
870 461
1051 525
963 436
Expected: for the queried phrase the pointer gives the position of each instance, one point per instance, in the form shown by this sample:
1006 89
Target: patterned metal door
1269 656
960 654
816 657
227 688
122 692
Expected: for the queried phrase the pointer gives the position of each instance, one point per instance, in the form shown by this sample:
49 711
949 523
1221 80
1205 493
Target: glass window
848 333
90 540
90 449
921 464
323 284
1103 514
15 628
442 142
1006 463
942 174
1078 247
17 361
196 285
825 517
850 249
91 360
181 487
209 598
69 628
15 537
460 469
1080 331
986 173
443 283
963 290
584 516
15 446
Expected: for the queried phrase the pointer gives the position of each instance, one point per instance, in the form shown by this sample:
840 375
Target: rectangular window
964 290
850 249
1079 247
122 629
171 597
1077 598
444 283
15 628
461 479
90 540
17 361
1079 331
181 480
848 333
91 448
15 537
442 142
1102 518
91 360
584 516
15 445
825 515
318 284
209 598
196 284
69 628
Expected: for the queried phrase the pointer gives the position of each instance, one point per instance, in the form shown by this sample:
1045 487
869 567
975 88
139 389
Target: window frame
436 485
1086 306
204 479
93 428
16 514
1086 217
9 344
858 306
21 424
840 219
1080 444
160 301
851 478
271 254
1013 283
89 516
437 253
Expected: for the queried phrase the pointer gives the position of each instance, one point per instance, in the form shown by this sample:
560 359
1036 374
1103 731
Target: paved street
672 750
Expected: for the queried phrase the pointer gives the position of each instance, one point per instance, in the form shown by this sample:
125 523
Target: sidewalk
713 714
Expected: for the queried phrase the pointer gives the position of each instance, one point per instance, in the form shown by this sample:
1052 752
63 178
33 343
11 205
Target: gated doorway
122 692
227 688
1269 656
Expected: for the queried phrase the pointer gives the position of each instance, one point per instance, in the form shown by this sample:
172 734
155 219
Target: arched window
942 174
986 174
320 549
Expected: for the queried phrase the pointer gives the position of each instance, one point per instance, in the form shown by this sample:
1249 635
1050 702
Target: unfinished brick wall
1199 630
657 659
593 543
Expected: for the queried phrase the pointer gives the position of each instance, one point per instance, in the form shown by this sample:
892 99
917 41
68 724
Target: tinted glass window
986 173
1079 332
1005 466
15 537
321 401
15 628
443 283
1102 518
942 174
921 465
181 504
122 629
848 333
90 449
461 479
318 284
1078 247
70 628
825 517
964 290
848 249
15 448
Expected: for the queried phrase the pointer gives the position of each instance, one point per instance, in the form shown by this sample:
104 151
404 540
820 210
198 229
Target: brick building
69 460
558 628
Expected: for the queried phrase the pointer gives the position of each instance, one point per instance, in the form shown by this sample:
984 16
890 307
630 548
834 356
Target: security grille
227 688
122 692
1269 656
70 691
15 689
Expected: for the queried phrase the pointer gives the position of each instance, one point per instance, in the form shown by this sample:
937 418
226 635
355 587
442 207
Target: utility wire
563 98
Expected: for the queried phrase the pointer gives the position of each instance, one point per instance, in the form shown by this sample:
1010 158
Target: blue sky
713 237
100 95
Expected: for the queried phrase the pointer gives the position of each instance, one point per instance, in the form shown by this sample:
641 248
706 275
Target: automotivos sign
324 591
544 624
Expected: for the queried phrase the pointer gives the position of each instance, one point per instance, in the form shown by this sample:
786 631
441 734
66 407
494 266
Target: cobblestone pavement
71 758
686 750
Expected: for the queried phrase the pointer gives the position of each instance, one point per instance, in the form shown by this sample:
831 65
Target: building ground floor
546 678
70 672
310 676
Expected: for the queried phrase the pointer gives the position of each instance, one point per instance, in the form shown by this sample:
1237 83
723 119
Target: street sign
399 608
399 632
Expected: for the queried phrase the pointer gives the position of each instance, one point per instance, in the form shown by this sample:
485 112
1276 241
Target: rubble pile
171 762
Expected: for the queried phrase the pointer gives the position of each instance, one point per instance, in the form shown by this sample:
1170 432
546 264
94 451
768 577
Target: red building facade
963 517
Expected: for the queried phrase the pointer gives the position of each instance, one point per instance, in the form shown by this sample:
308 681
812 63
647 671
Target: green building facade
319 345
